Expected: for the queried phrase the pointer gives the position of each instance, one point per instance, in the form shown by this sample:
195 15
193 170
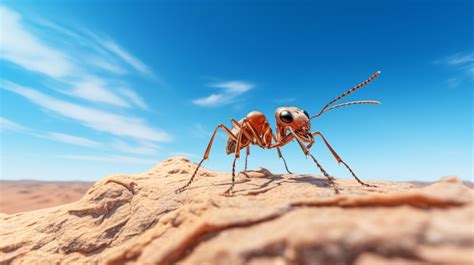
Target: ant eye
306 113
286 116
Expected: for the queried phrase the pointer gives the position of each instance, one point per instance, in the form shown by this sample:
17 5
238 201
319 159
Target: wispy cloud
126 56
94 89
19 46
96 119
133 98
110 159
79 67
6 124
461 65
138 148
212 100
233 86
460 59
71 139
143 148
230 91
462 62
87 68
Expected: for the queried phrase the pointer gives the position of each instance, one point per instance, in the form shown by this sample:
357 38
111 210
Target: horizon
92 89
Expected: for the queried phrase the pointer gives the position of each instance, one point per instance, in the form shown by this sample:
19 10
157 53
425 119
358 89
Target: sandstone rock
270 219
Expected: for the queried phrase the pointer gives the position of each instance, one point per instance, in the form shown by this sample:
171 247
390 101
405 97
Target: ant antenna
328 106
373 102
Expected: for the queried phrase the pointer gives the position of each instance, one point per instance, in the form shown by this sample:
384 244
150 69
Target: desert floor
267 219
27 195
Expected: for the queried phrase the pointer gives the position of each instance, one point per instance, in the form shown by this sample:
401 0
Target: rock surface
270 219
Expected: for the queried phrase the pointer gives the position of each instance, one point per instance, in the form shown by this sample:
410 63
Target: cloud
19 46
212 100
83 65
145 148
94 89
110 159
460 58
99 120
133 98
462 64
124 55
233 86
231 90
71 139
107 65
140 148
6 124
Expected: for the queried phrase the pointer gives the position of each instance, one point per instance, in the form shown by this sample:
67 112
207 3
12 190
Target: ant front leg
339 159
280 155
307 152
206 154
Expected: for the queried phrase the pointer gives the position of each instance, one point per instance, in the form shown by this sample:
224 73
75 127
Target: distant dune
270 219
26 195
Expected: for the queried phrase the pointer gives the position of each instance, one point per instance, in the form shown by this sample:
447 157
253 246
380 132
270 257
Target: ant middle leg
284 161
237 155
247 153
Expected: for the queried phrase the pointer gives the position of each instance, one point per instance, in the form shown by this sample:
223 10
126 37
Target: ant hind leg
206 154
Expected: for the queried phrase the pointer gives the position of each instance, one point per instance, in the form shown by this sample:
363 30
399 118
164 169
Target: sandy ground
268 219
26 195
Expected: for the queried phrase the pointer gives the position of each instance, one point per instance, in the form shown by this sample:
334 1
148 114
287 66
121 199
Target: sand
270 219
27 195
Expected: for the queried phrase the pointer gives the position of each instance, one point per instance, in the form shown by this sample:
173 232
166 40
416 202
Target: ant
292 124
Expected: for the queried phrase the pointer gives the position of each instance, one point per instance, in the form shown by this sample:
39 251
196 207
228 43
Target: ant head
295 118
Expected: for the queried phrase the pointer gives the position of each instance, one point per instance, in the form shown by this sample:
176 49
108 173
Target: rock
270 219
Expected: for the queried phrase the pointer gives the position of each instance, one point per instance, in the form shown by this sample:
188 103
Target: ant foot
368 185
180 190
229 192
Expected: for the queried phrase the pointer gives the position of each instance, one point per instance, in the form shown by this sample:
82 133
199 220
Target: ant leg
237 155
307 152
260 142
284 161
280 155
206 154
339 159
246 156
229 190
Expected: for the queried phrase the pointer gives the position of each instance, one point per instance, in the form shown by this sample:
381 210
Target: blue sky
91 88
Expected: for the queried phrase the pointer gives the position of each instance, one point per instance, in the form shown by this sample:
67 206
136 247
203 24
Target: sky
93 88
